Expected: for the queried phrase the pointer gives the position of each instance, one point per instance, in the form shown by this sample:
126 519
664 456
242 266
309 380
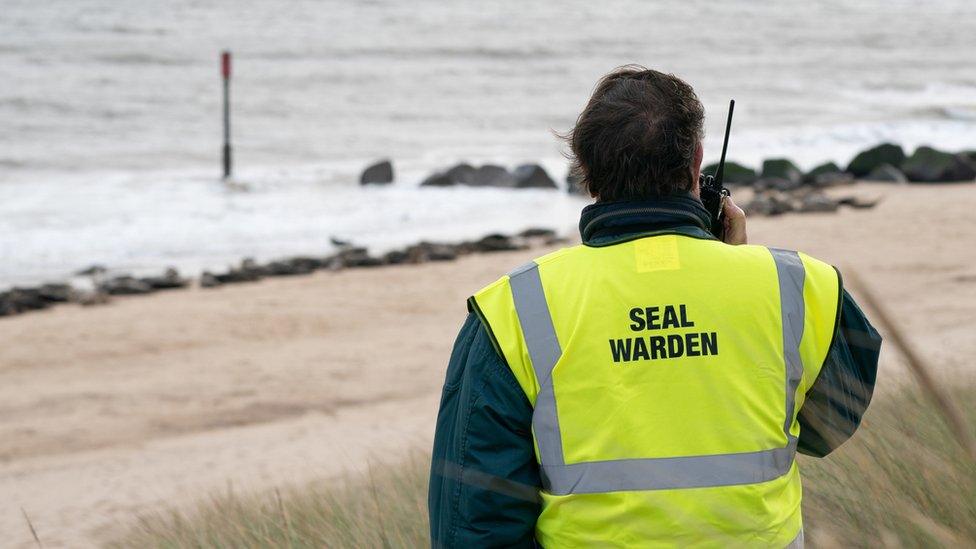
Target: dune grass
903 481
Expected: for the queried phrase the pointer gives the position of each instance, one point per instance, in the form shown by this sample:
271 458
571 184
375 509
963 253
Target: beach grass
903 481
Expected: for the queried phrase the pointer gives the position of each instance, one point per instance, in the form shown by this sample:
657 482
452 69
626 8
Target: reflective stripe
653 473
669 473
544 351
789 270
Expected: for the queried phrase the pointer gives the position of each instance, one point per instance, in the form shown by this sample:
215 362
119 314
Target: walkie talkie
713 194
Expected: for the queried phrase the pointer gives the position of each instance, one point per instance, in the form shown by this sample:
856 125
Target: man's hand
735 223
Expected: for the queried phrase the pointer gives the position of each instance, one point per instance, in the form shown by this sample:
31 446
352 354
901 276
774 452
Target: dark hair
637 136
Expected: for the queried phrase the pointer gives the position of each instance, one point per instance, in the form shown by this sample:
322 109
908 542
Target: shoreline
159 401
99 288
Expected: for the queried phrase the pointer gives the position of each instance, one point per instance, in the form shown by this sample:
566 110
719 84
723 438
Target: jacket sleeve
842 391
484 478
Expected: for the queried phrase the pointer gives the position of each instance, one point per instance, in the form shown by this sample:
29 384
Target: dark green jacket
484 478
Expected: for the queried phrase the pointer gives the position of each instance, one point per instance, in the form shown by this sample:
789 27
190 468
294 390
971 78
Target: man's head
639 136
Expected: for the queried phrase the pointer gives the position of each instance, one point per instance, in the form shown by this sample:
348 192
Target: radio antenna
725 145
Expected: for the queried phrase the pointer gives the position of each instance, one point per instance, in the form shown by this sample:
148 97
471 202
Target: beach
158 401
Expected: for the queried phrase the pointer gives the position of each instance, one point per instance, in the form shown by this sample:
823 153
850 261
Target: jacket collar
605 223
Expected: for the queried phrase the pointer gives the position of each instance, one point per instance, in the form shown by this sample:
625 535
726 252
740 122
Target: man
651 386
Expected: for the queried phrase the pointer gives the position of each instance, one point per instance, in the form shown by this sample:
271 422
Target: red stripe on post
225 64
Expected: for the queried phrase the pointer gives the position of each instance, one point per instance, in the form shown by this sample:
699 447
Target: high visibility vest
665 375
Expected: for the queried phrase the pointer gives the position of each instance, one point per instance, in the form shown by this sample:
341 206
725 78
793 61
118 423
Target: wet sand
161 400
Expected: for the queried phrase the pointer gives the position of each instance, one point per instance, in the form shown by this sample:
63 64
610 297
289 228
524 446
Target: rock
92 270
466 247
248 271
496 243
833 179
19 300
886 172
251 270
782 168
396 257
55 293
734 173
574 184
826 167
858 203
430 251
866 161
125 285
769 202
352 258
776 184
379 173
462 174
491 175
168 281
928 165
293 266
828 175
537 232
533 176
816 202
437 180
208 280
970 156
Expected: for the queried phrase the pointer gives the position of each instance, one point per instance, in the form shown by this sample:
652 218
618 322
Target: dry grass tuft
903 481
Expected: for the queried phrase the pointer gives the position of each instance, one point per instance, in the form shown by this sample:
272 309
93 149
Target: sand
156 401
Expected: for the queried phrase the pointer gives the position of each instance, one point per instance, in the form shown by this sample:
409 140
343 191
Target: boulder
769 202
19 300
396 257
491 175
888 173
496 243
574 184
827 174
462 174
928 165
430 251
866 161
293 266
857 202
816 202
832 179
533 176
377 174
169 280
537 232
125 285
208 280
92 270
353 258
782 168
734 173
55 293
248 271
970 156
439 179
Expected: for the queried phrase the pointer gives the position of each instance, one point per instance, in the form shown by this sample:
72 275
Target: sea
110 112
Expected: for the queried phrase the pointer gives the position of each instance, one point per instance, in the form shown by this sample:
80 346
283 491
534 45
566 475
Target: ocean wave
142 58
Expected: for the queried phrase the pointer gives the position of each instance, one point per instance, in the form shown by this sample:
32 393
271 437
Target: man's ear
696 168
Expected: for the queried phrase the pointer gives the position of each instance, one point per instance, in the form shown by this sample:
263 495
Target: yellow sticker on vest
659 253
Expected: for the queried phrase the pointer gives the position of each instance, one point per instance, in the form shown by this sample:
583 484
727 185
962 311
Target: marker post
225 73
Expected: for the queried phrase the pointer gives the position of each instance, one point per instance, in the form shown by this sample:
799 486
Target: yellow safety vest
666 374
